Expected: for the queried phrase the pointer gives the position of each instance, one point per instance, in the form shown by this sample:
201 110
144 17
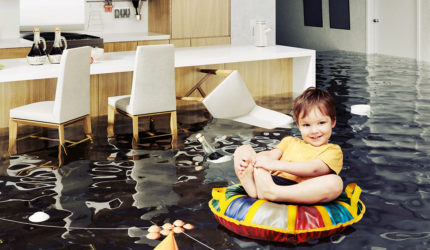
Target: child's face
316 127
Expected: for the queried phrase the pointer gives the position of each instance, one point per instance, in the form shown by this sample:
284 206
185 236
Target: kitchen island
266 71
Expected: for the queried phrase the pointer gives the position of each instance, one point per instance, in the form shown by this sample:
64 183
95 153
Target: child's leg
245 174
319 189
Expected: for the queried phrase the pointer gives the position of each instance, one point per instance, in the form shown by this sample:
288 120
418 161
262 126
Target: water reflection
71 185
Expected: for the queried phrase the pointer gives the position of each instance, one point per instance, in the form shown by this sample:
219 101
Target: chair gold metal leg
173 123
111 121
13 133
174 128
60 156
61 146
87 126
135 121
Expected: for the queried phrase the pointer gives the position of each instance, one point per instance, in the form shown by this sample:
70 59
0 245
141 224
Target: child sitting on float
297 170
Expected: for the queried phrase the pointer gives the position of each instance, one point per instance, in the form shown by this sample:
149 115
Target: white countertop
107 38
19 70
15 43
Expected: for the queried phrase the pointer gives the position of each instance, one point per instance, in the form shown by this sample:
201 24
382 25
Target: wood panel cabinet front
120 46
9 53
197 18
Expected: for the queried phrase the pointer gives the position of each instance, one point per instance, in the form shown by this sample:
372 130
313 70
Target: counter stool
232 100
152 92
71 104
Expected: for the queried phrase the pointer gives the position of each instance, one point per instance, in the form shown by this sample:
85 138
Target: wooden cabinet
130 46
197 18
120 46
191 22
9 53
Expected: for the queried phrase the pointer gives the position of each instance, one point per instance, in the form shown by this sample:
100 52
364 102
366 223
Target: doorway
393 28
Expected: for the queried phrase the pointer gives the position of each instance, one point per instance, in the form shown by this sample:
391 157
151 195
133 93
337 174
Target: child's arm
312 168
249 157
274 154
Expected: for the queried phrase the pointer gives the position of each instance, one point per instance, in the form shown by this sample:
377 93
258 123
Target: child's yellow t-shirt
296 150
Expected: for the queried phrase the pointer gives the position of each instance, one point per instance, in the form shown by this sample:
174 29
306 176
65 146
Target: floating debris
153 236
165 232
361 109
38 217
168 226
178 230
154 229
178 223
188 226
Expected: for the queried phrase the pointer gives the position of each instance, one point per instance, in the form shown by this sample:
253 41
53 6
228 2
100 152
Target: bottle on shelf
37 55
59 45
210 152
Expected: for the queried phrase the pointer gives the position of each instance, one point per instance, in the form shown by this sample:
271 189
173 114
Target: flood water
106 194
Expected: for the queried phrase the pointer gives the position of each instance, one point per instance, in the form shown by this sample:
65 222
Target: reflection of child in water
300 171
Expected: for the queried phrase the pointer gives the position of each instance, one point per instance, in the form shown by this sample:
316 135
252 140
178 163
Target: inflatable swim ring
283 222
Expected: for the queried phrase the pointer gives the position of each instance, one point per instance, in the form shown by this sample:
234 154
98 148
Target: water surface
106 194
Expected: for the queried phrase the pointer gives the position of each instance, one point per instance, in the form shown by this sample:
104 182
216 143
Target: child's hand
265 162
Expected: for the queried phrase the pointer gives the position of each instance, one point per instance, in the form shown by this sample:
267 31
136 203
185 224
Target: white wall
425 31
245 12
48 14
93 17
291 30
9 19
100 21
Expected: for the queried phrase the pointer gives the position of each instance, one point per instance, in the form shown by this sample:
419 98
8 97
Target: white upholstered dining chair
232 100
71 104
152 92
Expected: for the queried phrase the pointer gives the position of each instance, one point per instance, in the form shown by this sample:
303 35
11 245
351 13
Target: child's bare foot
263 181
246 178
244 168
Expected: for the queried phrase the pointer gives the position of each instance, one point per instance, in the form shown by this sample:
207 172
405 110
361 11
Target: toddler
297 170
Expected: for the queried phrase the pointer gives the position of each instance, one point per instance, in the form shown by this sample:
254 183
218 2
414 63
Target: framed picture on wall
312 11
339 14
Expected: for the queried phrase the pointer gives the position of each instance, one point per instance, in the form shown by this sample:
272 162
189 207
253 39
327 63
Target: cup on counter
96 54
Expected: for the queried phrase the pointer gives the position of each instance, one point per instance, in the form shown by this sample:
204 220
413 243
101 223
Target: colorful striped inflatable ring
283 222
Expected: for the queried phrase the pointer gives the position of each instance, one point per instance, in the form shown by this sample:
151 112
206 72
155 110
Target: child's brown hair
311 98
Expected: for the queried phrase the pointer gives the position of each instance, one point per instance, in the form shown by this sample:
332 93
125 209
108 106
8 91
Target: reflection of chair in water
152 92
231 99
71 104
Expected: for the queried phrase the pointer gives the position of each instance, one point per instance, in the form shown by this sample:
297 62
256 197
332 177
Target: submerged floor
107 194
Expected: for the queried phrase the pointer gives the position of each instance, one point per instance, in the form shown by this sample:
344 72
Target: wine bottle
36 55
59 45
210 152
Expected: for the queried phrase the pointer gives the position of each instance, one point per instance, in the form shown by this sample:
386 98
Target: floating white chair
152 92
231 99
71 104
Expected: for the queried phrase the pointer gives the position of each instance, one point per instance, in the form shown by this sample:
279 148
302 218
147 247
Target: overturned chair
152 92
71 104
232 100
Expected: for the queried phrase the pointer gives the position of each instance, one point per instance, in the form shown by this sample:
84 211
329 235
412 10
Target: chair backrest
230 99
153 88
72 97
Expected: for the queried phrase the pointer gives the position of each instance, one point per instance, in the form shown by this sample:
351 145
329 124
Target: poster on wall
339 14
313 13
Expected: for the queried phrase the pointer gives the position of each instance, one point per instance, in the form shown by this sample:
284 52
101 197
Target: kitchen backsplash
9 19
97 20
